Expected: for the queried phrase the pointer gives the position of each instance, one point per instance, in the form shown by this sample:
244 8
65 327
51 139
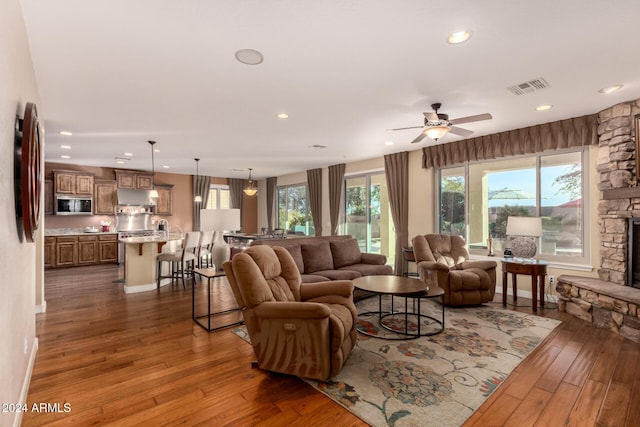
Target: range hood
127 197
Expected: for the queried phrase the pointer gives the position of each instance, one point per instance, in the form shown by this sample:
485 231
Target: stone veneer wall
616 168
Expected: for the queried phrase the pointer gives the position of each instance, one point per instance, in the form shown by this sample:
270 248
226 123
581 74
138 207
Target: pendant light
153 194
252 187
197 199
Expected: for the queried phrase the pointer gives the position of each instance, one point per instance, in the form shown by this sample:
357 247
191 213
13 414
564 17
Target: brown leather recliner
443 260
307 330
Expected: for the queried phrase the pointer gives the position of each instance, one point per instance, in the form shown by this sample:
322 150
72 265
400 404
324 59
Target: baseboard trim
146 287
42 308
26 381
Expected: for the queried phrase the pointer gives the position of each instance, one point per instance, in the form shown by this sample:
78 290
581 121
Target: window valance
575 132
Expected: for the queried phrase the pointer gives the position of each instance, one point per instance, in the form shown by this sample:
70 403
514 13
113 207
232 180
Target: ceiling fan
437 125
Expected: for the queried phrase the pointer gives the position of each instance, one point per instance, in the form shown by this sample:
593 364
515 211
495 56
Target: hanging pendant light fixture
197 199
252 187
153 194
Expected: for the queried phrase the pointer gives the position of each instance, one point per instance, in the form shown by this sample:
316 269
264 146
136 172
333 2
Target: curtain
567 133
236 194
336 183
201 186
271 201
314 182
396 167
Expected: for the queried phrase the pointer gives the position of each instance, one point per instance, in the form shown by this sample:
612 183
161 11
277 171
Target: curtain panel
336 183
271 201
575 132
396 168
314 182
201 186
235 194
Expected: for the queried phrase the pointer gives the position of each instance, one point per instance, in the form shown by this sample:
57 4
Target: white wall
18 284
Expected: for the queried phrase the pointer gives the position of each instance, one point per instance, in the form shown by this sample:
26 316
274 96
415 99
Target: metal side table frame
210 273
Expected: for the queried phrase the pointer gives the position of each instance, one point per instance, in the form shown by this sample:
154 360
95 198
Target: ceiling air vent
529 87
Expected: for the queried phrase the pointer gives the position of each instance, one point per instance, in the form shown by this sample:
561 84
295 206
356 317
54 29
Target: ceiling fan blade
469 119
410 127
432 117
419 138
460 131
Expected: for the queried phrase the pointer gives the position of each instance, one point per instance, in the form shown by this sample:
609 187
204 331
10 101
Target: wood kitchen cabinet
108 248
73 183
87 249
134 180
164 204
49 252
66 251
48 197
104 198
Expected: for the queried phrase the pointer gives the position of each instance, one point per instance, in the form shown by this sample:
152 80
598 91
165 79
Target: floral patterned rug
437 380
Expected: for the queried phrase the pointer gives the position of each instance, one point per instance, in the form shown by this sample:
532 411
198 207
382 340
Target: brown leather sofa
443 260
303 329
324 258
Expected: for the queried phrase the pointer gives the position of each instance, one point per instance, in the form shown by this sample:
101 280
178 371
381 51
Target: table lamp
220 220
525 230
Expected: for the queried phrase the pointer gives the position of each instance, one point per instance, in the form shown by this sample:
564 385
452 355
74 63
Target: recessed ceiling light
64 156
249 56
543 107
120 162
128 154
65 133
155 150
388 143
65 147
165 166
459 37
610 89
282 116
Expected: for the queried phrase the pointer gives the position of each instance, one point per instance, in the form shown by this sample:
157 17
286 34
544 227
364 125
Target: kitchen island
140 264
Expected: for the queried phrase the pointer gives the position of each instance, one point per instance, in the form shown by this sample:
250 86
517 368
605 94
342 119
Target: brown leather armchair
307 330
442 260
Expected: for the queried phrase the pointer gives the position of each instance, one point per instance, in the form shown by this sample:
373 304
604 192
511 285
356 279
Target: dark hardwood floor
140 359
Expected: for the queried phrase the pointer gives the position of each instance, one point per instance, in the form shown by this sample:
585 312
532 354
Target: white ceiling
120 72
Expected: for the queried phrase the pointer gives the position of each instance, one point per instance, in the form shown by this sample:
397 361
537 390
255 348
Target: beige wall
21 262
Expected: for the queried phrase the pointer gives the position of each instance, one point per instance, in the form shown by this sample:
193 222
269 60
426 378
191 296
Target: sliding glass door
368 216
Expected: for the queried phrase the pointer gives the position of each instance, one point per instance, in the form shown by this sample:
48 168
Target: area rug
438 380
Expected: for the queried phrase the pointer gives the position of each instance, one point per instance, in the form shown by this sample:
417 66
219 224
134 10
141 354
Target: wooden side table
535 268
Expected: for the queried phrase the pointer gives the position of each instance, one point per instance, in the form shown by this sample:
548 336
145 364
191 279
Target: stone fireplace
617 169
607 302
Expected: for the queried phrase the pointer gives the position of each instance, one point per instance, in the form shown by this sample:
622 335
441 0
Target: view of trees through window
294 214
476 200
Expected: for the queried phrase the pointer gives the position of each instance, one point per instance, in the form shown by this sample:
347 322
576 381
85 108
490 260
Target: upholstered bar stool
182 262
204 249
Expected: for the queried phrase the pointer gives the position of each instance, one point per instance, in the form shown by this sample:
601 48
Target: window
294 214
368 215
218 197
476 200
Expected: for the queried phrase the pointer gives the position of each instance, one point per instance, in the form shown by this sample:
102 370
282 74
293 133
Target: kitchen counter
140 272
52 232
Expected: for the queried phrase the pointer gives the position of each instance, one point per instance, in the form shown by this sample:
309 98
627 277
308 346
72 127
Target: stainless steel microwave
72 205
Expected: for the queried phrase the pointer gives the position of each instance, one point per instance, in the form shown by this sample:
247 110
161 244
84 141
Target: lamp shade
220 219
524 226
437 132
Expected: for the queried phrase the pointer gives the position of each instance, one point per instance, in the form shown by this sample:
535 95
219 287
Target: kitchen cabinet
49 252
104 198
66 251
73 183
87 249
108 248
134 180
164 204
48 197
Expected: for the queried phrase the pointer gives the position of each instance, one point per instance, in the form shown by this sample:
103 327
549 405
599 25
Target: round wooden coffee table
399 286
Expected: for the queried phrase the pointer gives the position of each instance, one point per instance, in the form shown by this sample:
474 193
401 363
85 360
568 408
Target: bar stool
408 256
204 249
182 262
